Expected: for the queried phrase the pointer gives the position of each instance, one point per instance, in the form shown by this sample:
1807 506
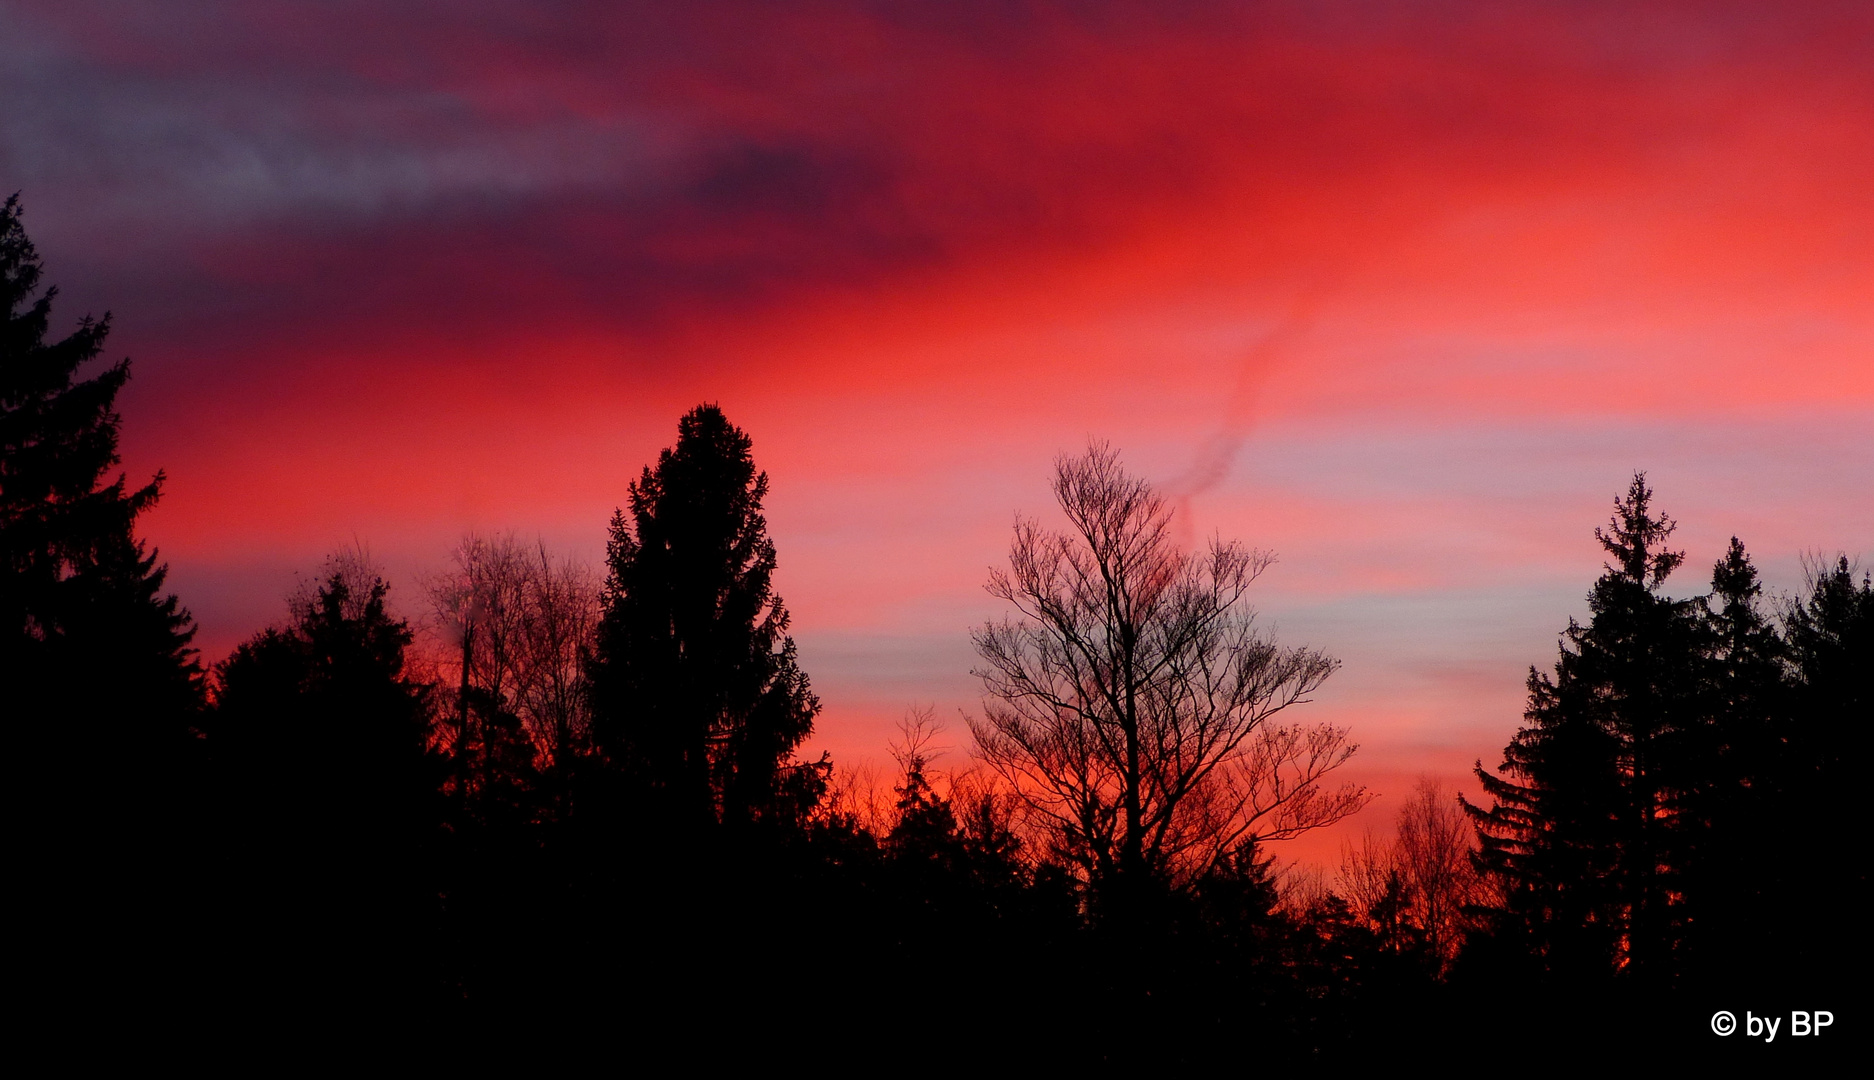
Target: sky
1402 292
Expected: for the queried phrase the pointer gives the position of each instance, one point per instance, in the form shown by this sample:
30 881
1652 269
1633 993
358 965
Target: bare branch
1129 698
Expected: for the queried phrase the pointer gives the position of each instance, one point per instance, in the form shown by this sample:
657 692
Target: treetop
1636 538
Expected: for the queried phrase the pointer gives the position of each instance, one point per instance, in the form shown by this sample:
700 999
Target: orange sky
1401 291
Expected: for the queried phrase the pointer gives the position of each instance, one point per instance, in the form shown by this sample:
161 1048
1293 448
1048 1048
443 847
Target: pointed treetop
1734 578
1636 538
19 262
33 370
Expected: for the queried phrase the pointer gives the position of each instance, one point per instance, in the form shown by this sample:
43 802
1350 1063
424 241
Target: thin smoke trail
1219 451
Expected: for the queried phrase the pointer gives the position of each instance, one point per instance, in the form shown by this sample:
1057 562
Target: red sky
1404 292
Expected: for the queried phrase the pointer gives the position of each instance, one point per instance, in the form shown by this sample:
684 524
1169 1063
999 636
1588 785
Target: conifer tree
696 688
1829 633
96 657
1584 833
323 717
102 693
1737 758
324 739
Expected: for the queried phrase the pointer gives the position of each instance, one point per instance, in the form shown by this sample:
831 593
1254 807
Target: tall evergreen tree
1829 633
1746 678
1584 830
1736 761
697 691
103 693
96 657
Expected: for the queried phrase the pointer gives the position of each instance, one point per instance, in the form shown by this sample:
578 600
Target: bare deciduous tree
1131 701
1423 880
518 623
558 632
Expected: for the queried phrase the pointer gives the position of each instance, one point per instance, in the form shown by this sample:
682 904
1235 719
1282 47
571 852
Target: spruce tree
1736 761
697 692
1584 833
96 658
1829 634
103 694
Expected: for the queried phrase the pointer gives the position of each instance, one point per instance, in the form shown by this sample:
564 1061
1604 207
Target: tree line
581 808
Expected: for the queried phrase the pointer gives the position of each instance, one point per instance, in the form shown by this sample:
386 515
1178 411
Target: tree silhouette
1584 833
696 689
103 693
516 627
79 595
1829 635
1732 807
1421 883
1131 703
325 737
326 709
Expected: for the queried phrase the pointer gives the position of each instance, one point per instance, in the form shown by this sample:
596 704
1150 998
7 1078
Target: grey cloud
220 156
